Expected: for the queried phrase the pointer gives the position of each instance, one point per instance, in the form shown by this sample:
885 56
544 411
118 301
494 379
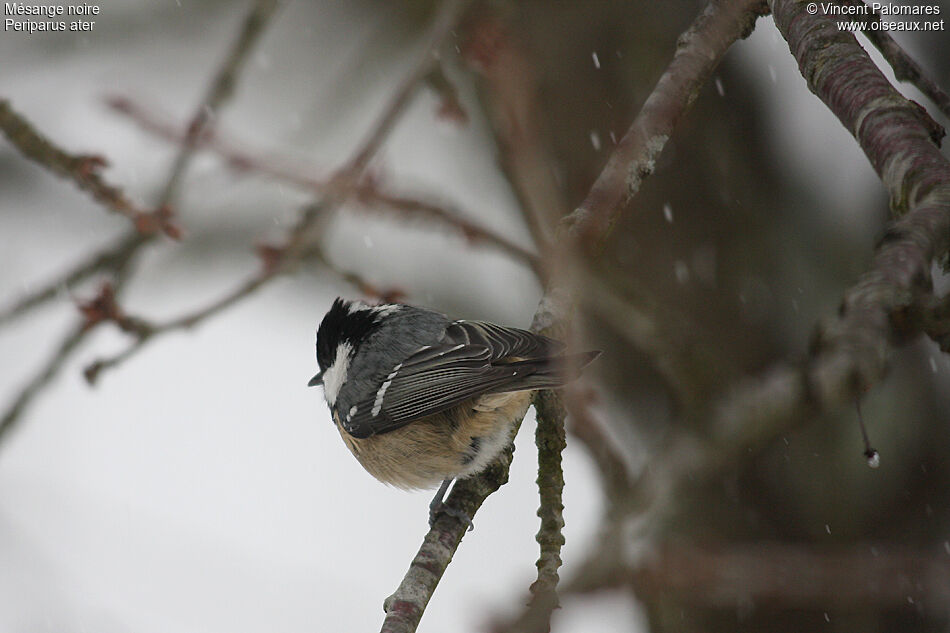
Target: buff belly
453 444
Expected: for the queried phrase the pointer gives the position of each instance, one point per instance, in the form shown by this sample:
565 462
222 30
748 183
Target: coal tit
421 400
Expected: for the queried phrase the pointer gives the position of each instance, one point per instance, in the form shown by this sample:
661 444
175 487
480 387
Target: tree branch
697 55
83 170
698 52
120 258
904 66
796 576
851 350
551 440
365 192
219 92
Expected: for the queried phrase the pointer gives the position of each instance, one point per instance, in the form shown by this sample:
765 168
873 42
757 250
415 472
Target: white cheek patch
335 375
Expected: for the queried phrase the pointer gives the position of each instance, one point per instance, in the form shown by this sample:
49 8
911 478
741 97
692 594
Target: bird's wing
473 358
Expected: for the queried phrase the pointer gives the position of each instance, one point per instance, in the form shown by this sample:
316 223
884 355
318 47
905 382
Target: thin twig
106 259
551 440
367 193
905 67
302 241
40 380
119 261
83 170
220 90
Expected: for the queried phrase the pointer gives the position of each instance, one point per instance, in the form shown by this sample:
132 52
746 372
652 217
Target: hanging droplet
874 458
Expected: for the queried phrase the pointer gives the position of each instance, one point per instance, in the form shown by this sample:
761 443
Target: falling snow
719 87
668 212
596 59
595 140
681 270
933 364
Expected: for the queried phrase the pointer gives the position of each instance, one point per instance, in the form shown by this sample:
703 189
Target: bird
421 400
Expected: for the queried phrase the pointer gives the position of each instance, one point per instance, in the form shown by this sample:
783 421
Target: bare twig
302 242
43 377
551 441
220 90
904 66
82 169
367 193
106 259
117 260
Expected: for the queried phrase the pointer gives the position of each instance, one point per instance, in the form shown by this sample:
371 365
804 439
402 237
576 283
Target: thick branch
904 66
851 350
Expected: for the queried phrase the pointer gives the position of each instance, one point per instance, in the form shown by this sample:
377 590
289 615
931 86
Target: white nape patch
335 375
378 403
380 310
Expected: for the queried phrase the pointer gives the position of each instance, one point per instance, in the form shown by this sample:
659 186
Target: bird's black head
347 322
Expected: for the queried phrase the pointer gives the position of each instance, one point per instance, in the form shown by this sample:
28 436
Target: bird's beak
316 380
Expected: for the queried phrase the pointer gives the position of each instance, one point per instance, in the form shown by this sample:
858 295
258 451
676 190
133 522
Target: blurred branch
615 475
302 242
934 319
274 262
40 380
699 51
364 191
219 91
851 350
904 66
83 170
119 259
107 259
796 576
511 89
